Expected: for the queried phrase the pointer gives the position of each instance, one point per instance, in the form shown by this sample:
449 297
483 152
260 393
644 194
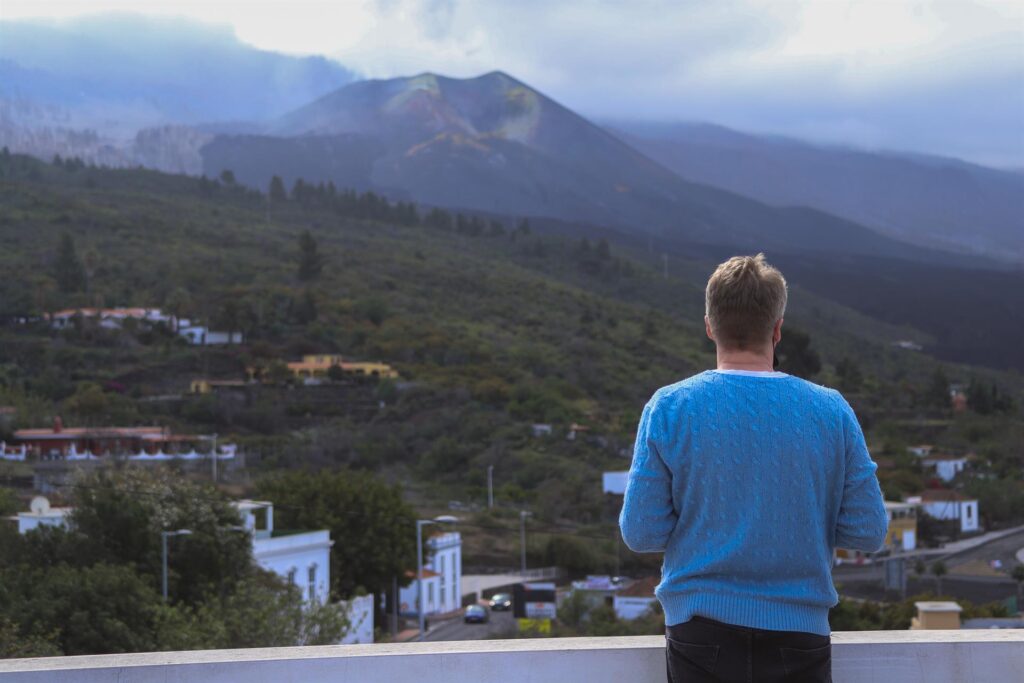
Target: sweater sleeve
862 522
648 516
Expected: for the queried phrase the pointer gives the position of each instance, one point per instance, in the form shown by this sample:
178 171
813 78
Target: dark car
501 602
476 614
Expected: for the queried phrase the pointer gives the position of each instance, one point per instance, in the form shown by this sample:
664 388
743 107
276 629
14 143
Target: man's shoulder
679 393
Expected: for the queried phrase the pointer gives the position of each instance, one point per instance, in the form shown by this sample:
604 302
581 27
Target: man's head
745 302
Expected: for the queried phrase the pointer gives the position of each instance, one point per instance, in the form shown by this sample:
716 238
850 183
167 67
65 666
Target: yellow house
317 365
206 386
902 531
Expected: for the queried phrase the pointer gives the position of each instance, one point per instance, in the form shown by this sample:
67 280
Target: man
747 479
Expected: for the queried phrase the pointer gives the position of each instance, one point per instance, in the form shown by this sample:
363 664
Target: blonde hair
744 299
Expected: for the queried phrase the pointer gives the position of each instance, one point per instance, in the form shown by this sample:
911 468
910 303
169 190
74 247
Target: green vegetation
96 588
494 324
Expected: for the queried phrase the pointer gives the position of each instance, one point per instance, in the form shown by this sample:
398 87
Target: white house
636 599
943 504
200 335
41 514
946 466
442 577
614 482
301 557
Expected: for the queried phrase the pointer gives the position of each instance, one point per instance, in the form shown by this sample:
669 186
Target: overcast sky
938 77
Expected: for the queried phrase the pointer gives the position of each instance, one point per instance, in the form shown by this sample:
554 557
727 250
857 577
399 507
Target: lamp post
420 523
490 486
523 514
164 535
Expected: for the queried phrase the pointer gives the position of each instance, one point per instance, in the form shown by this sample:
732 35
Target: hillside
492 328
929 201
494 144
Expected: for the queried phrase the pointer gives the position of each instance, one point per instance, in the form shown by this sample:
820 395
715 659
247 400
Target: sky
934 77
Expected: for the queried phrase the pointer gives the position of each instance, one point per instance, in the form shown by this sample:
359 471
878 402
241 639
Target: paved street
500 624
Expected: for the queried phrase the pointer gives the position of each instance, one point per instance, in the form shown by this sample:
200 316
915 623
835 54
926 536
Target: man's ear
707 328
777 332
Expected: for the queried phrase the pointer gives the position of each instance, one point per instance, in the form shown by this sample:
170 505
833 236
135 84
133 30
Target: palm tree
938 571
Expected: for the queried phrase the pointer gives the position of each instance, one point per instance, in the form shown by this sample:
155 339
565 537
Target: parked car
476 614
501 602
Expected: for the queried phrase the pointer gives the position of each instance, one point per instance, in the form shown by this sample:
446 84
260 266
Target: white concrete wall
360 618
972 656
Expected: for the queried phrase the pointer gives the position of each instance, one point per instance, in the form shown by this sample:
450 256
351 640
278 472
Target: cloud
940 77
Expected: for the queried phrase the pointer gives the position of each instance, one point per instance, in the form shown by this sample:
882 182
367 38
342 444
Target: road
1002 549
960 582
500 624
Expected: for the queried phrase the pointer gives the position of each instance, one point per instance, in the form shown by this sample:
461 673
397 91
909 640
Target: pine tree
277 191
311 263
68 269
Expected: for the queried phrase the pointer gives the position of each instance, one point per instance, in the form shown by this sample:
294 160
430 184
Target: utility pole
523 514
490 486
213 459
164 535
420 523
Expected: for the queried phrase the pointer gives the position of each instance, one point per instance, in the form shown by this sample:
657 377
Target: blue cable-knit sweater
747 482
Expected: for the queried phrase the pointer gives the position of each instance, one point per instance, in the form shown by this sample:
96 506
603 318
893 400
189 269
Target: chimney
58 425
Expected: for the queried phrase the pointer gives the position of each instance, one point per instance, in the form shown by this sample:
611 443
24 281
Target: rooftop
951 656
942 495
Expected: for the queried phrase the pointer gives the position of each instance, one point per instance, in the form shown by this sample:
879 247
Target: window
968 509
312 582
430 593
291 576
442 572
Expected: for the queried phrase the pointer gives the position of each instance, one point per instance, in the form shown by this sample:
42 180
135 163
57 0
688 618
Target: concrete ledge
890 656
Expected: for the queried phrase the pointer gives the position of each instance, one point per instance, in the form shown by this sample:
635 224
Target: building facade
303 558
950 505
442 577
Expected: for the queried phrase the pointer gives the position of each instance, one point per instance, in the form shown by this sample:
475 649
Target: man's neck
751 361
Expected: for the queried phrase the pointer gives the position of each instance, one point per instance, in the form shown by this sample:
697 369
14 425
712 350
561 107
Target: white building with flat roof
40 514
301 557
949 505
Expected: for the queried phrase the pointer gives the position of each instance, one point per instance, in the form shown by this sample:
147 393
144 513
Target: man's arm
648 516
862 522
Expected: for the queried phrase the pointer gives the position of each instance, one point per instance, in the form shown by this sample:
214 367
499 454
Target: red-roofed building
85 443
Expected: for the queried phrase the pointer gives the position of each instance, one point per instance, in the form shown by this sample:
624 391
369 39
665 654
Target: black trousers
707 651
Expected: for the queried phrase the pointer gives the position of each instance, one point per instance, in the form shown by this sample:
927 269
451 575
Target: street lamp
490 486
420 523
523 514
164 535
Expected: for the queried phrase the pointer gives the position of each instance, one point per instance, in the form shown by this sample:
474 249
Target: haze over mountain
494 144
85 87
931 201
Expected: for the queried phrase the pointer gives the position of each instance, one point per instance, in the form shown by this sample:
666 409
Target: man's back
748 481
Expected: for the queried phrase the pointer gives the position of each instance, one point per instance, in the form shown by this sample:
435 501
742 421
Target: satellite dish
39 505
